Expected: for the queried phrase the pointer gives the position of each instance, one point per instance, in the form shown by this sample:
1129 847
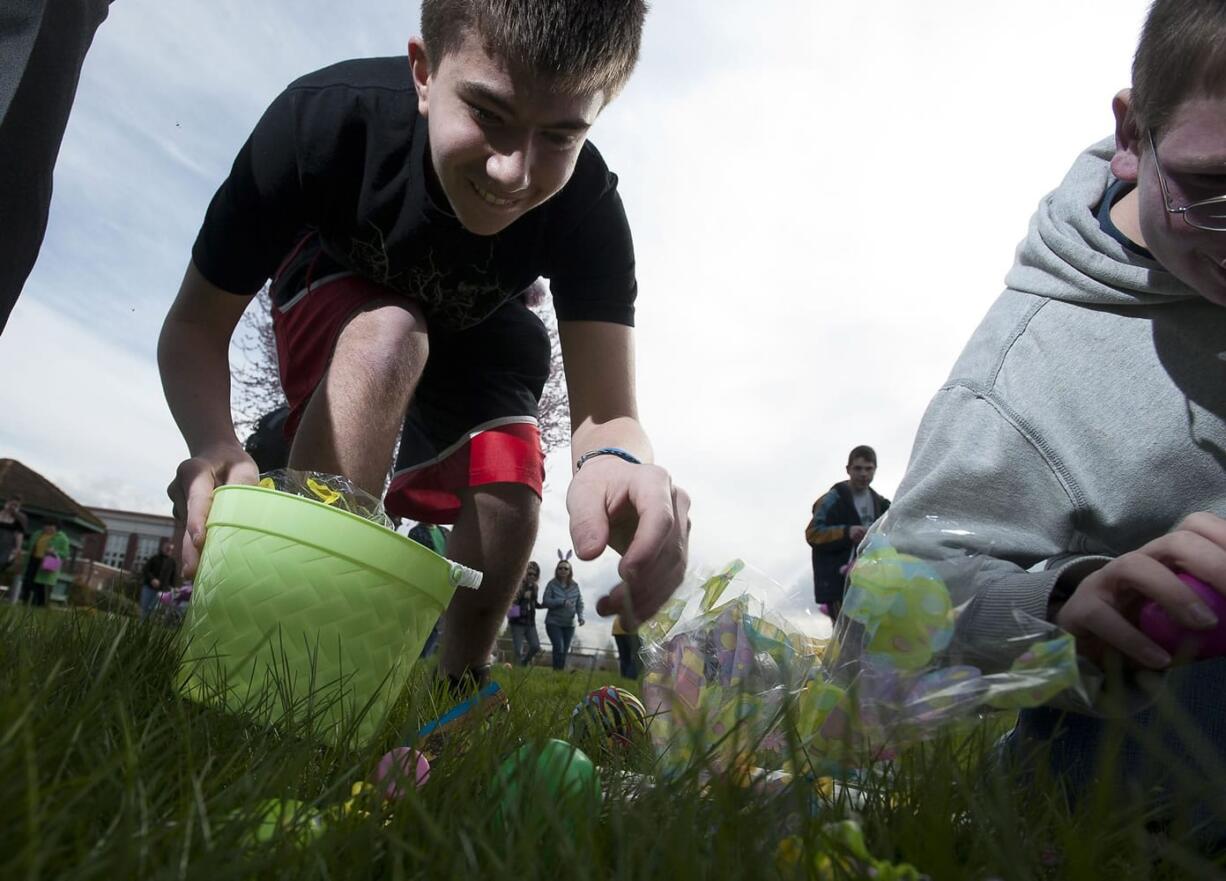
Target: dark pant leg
37 595
554 632
518 634
534 644
42 47
568 633
431 642
627 654
33 564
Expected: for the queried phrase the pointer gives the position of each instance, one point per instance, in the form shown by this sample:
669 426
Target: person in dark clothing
14 527
267 444
435 538
522 617
42 48
399 207
158 574
628 646
840 519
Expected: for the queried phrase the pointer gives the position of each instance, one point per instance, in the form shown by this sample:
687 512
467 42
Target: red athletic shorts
472 420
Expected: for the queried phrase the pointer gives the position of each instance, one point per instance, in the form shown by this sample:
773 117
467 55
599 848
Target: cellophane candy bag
900 667
721 663
331 489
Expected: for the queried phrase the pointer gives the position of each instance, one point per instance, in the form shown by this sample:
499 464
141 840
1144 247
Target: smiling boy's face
1192 152
501 142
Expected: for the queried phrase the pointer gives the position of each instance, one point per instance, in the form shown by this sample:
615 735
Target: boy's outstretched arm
635 509
194 360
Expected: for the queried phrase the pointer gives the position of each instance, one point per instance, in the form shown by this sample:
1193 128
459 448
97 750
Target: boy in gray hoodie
1080 441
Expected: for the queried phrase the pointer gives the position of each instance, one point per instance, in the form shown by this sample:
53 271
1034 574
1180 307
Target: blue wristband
608 451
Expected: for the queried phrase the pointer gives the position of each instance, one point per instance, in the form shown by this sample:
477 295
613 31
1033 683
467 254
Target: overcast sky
825 198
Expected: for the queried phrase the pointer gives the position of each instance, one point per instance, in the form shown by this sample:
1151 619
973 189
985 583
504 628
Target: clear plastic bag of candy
740 679
721 659
331 489
900 667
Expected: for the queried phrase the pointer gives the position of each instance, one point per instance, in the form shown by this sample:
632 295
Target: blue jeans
431 642
1164 759
521 633
148 600
559 638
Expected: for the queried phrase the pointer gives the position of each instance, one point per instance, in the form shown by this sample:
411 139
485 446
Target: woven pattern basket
302 610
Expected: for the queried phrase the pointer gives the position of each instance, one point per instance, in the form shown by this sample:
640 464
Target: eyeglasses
1208 214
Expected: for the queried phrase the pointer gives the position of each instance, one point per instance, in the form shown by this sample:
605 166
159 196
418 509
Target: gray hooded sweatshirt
1083 419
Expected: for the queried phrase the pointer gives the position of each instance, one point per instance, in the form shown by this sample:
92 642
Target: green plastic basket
300 610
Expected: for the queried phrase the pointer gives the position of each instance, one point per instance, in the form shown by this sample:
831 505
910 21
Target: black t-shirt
1117 190
343 153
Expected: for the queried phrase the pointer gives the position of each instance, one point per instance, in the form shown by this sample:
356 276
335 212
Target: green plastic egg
555 772
904 607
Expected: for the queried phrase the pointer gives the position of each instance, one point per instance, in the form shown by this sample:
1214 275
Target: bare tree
256 384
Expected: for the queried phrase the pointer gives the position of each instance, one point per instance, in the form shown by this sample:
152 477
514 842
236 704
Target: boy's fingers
589 522
657 522
1153 580
1208 525
1108 625
192 494
1194 548
613 602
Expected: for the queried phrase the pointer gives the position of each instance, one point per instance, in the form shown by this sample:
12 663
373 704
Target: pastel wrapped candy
828 720
715 586
945 694
718 671
1038 675
689 678
727 637
903 606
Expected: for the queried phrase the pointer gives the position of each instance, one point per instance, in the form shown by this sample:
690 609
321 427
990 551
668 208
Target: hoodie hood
1068 256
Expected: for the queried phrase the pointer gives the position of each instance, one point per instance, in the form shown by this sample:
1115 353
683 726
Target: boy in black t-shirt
400 209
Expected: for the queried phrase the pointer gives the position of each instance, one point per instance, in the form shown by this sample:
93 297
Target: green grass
106 773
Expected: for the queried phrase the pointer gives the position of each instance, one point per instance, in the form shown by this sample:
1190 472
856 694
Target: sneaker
450 728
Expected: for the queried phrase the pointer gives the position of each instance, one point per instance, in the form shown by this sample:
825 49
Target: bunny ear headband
566 558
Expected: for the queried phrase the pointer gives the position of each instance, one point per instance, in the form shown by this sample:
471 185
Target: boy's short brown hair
1181 55
862 452
582 46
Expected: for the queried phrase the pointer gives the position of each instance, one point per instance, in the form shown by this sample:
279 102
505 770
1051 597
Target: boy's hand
192 494
1102 611
636 510
855 533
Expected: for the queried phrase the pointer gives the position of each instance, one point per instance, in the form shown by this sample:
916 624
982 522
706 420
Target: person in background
157 575
628 644
565 605
434 537
521 617
13 530
840 519
51 550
